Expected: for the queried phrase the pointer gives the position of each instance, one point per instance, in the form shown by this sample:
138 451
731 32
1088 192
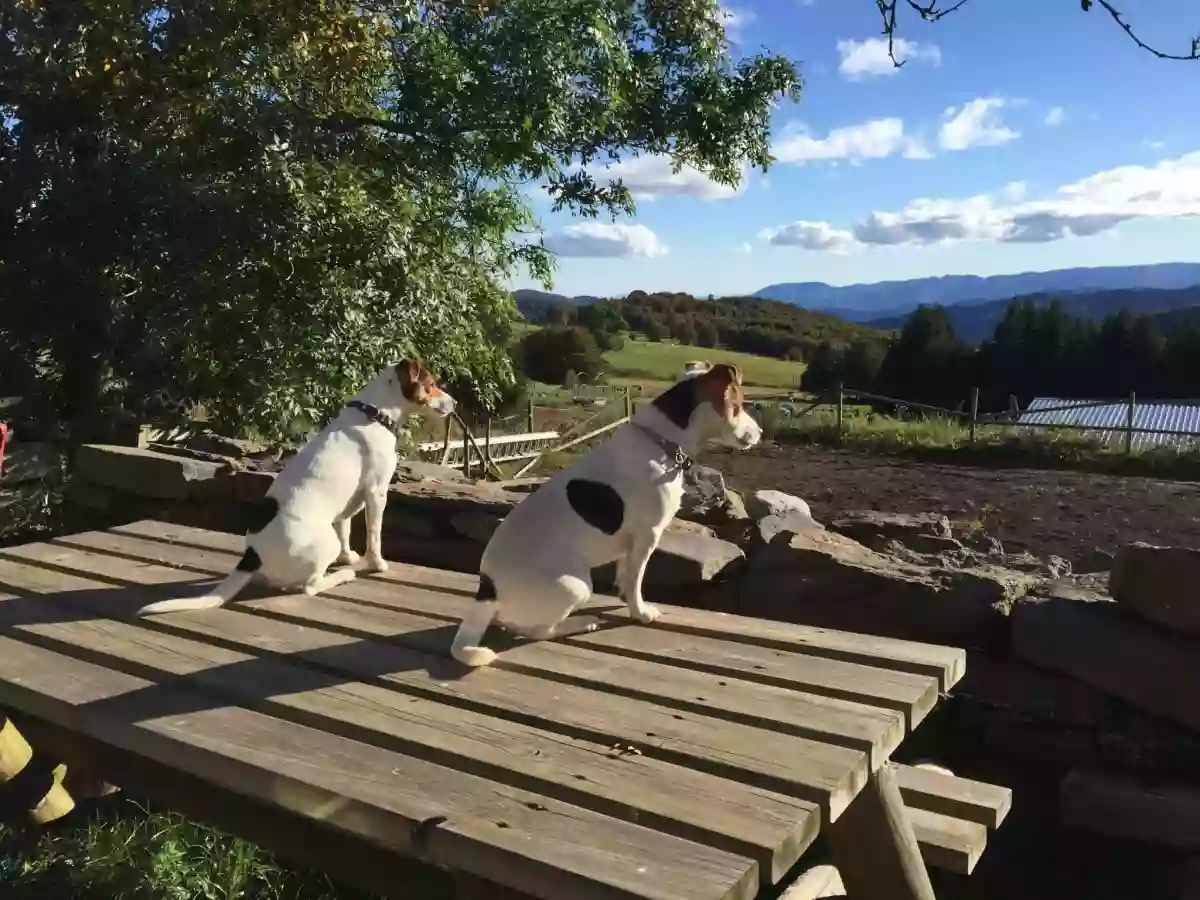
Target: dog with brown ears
302 526
612 505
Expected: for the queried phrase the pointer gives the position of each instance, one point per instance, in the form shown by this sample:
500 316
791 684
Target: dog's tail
233 584
466 647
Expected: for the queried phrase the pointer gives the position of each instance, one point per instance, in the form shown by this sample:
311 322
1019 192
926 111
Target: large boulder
415 471
706 498
921 532
146 473
819 577
1159 584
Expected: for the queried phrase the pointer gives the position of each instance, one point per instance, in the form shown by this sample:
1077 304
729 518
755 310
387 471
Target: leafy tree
933 10
605 322
706 333
655 329
684 330
257 207
548 354
927 363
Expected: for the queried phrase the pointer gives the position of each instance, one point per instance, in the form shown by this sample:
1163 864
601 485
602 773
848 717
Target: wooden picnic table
696 759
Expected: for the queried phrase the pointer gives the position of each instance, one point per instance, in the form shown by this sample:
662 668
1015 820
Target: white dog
613 504
302 526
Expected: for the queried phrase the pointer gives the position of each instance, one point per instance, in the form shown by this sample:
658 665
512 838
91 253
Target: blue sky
1022 135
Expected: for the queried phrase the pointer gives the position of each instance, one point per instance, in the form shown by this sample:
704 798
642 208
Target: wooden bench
696 760
951 817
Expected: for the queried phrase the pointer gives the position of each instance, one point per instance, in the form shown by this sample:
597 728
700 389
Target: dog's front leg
376 501
633 570
342 527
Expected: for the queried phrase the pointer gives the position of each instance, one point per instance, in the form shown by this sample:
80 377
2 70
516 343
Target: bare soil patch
1059 512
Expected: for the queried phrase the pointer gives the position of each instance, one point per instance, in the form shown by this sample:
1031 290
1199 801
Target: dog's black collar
376 415
675 453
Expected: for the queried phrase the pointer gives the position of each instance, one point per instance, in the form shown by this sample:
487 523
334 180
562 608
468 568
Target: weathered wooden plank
875 846
959 798
913 695
821 773
743 820
1130 808
815 884
537 844
1143 665
874 731
947 664
947 843
875 727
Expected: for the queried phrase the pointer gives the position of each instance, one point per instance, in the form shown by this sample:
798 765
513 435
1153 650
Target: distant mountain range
887 299
974 322
529 300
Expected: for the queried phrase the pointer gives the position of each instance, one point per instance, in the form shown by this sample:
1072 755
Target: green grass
947 439
131 852
647 361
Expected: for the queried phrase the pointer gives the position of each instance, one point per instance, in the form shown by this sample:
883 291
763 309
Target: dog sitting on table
612 505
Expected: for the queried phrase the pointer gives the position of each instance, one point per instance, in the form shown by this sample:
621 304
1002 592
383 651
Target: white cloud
876 139
1055 116
1154 145
870 58
810 236
1093 205
650 177
605 239
743 249
975 124
735 18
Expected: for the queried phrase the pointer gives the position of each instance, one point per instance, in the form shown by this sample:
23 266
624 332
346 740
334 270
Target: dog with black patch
302 526
613 504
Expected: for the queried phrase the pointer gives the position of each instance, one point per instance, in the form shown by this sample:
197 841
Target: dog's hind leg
322 553
632 570
376 501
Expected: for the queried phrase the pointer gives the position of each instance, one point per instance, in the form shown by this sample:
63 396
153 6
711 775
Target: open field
642 361
1060 512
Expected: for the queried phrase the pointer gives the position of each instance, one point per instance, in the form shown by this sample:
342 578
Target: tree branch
929 11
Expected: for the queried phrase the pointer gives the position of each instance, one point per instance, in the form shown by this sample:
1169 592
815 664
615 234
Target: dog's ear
411 374
722 387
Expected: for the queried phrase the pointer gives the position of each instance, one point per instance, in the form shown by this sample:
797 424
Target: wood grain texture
947 664
947 843
950 795
772 829
821 773
863 726
812 770
875 847
533 843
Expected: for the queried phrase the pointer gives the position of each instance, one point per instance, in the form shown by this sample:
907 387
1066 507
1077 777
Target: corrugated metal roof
1109 419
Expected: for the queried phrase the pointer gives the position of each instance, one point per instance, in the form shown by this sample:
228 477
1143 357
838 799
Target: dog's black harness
376 415
674 452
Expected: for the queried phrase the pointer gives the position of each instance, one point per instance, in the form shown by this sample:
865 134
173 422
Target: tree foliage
549 354
255 205
1036 350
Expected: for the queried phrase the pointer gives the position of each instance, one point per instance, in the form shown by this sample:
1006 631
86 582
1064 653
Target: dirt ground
1045 512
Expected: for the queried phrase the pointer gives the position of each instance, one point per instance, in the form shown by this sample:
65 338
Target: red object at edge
3 441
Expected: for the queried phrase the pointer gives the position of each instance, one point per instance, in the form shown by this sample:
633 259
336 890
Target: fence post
841 399
974 411
1129 424
628 404
466 448
530 415
487 443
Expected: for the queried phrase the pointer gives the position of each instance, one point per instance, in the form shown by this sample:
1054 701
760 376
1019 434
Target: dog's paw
647 613
348 558
475 657
376 564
